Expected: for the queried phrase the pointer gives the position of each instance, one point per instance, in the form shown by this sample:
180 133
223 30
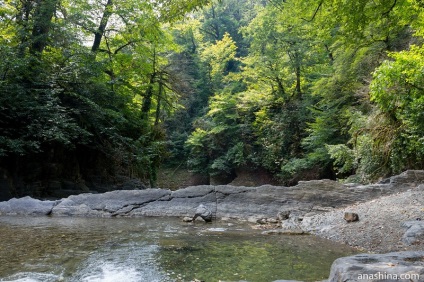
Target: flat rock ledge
397 266
225 201
390 214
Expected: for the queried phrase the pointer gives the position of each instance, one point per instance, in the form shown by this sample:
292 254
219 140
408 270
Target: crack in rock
127 209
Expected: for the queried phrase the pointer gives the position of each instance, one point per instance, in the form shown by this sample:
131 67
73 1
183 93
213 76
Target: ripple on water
217 229
132 263
155 249
108 272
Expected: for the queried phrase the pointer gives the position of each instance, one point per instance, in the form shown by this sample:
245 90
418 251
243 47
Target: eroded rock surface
414 232
27 206
308 198
397 266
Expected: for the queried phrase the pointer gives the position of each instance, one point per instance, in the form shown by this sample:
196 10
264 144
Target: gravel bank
381 223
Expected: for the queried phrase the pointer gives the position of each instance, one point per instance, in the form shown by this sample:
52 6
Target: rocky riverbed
387 224
390 213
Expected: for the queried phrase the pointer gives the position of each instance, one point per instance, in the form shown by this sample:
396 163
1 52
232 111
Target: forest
93 91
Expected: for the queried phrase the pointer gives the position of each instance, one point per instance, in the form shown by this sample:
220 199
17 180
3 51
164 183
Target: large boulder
203 212
27 206
414 232
398 266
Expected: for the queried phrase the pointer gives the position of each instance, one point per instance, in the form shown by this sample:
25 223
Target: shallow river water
50 249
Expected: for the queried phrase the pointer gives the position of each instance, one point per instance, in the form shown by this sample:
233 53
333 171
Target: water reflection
130 262
155 249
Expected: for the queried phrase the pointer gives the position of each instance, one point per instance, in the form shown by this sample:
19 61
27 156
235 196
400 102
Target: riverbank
389 212
388 224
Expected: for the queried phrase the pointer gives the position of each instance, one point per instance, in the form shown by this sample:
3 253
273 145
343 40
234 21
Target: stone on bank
398 266
27 206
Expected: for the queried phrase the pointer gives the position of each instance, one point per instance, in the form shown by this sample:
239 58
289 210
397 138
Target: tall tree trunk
147 100
158 106
330 54
280 86
298 89
44 12
102 26
148 95
22 20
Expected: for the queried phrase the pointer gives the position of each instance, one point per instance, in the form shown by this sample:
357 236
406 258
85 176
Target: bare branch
315 13
123 46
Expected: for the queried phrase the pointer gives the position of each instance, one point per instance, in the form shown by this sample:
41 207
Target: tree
85 86
217 58
355 36
398 90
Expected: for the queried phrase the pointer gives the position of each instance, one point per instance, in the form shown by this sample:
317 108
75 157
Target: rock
115 203
379 267
379 228
414 233
290 204
283 215
187 219
261 221
193 191
265 222
285 232
351 217
203 212
290 225
27 206
411 177
272 220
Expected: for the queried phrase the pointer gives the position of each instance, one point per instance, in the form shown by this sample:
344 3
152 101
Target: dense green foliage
315 89
303 89
85 86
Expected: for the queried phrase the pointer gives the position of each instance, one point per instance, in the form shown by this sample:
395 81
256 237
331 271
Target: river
50 249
